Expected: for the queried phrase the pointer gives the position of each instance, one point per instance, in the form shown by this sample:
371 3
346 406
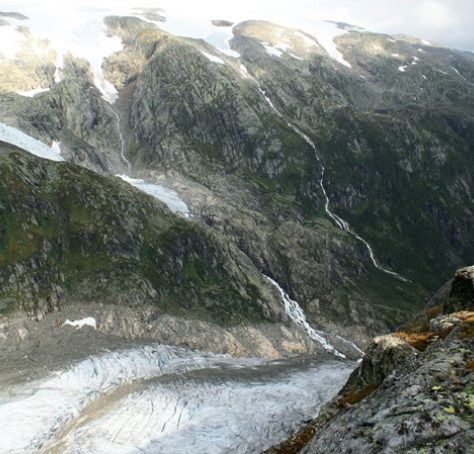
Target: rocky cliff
264 140
73 241
412 392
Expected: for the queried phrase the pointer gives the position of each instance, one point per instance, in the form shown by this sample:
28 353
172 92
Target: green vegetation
101 239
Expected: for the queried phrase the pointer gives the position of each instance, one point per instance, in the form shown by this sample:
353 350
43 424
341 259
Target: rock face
395 146
455 295
69 235
412 393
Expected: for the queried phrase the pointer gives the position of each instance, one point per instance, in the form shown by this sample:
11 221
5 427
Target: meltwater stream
159 399
341 223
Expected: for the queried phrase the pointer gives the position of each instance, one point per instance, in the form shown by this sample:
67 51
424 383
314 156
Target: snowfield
18 138
168 196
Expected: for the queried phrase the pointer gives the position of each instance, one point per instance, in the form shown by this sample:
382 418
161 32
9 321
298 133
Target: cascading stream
296 313
341 223
122 142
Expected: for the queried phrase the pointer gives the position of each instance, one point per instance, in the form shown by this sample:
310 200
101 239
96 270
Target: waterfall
341 223
296 313
122 142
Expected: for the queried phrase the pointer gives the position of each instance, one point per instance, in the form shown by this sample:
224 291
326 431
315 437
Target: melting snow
220 37
18 138
457 72
56 147
326 32
32 93
273 51
295 56
278 49
243 71
213 58
402 68
78 324
168 196
81 32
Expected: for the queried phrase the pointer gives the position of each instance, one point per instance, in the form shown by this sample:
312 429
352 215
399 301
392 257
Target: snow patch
296 57
168 196
108 91
213 58
396 55
32 93
19 139
56 147
402 68
309 41
219 38
277 50
80 32
273 51
325 33
243 72
78 324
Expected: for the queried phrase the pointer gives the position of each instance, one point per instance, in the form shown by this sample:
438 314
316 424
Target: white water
122 141
341 223
154 399
296 313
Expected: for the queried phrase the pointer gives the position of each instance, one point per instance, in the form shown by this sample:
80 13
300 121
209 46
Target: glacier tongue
166 399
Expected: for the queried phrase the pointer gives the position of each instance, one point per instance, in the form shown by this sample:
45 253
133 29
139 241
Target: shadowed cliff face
392 132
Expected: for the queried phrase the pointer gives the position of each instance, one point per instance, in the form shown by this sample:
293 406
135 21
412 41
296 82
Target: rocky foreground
414 390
